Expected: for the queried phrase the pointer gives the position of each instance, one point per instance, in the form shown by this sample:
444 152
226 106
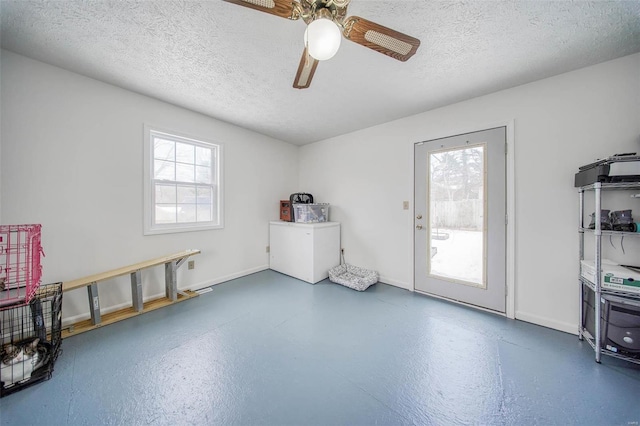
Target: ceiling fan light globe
322 39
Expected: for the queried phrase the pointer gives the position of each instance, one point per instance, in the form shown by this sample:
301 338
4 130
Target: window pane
165 213
186 213
184 153
203 174
204 195
204 212
184 172
457 212
164 170
165 194
163 149
203 156
205 203
186 194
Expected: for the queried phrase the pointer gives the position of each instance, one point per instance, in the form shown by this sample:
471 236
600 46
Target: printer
617 168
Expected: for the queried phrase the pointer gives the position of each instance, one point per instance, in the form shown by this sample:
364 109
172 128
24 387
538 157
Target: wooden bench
172 295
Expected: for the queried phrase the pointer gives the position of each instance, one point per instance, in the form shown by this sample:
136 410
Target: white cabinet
304 250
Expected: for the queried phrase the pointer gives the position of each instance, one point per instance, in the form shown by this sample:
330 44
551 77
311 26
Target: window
183 183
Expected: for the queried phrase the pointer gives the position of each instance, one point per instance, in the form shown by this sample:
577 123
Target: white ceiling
238 64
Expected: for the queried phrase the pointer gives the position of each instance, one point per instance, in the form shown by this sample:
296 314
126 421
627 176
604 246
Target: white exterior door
460 218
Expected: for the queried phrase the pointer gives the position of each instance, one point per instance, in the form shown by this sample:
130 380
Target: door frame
510 207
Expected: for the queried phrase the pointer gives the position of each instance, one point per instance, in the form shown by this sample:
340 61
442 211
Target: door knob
419 216
418 227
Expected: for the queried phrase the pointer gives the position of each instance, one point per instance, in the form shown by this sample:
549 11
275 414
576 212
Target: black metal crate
24 361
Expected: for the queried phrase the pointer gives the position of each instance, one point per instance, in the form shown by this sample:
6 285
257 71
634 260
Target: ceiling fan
326 24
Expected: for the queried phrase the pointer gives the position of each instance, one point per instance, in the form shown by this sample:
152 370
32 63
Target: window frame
152 228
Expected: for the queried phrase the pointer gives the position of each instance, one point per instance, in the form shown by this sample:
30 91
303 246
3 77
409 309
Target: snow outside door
460 218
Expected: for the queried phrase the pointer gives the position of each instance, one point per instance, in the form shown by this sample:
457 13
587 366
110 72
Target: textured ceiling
238 64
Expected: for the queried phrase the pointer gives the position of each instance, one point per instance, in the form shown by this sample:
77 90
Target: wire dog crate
20 269
30 335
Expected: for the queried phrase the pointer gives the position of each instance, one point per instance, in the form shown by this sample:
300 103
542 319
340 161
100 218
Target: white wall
0 129
560 123
72 160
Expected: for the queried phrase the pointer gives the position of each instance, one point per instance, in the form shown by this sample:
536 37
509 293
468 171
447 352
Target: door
460 218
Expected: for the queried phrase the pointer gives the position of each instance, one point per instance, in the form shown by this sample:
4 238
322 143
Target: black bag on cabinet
301 198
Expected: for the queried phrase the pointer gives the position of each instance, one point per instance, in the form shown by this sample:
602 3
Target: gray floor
269 349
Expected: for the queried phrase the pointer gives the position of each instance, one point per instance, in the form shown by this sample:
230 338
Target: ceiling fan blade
282 8
381 39
306 69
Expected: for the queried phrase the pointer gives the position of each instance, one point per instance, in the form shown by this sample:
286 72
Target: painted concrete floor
269 349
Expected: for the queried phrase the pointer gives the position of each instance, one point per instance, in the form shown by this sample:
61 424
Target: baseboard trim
395 283
546 322
229 277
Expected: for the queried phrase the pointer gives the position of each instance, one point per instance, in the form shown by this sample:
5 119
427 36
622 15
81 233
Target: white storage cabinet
304 250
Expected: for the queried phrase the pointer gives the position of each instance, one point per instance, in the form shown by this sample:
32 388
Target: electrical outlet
191 264
405 205
268 249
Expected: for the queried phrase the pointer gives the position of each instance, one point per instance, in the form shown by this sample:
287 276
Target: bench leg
94 303
136 291
170 280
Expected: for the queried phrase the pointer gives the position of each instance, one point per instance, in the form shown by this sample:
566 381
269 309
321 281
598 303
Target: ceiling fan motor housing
336 10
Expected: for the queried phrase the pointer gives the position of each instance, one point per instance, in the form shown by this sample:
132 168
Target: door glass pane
456 194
